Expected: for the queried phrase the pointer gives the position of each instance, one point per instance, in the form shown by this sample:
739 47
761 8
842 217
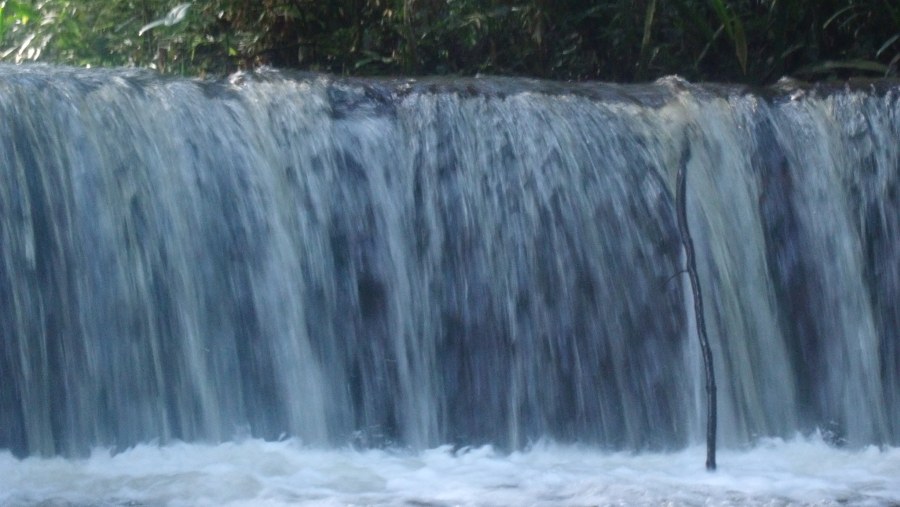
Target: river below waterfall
443 275
803 471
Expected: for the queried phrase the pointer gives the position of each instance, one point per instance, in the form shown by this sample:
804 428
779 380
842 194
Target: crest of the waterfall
411 263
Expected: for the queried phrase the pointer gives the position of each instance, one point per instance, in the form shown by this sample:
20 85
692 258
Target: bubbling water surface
802 471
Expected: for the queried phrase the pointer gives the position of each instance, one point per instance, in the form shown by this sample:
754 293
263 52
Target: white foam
257 473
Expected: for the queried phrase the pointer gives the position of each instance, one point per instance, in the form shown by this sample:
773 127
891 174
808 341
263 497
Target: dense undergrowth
752 41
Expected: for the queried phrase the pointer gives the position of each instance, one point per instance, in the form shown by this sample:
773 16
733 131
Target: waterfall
418 262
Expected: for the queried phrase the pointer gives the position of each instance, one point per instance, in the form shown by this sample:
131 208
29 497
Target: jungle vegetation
751 41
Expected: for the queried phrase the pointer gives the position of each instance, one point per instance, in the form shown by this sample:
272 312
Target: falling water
406 264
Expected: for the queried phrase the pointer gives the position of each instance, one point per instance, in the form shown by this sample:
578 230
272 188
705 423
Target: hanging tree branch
688 243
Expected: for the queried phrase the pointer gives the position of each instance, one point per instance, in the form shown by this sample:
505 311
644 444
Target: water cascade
401 263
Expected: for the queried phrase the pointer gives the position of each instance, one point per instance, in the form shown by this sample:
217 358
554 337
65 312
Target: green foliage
753 41
15 14
735 30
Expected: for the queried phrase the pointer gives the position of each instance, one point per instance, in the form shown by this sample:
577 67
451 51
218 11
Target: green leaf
735 30
837 15
645 40
724 16
19 12
862 65
648 24
887 44
740 44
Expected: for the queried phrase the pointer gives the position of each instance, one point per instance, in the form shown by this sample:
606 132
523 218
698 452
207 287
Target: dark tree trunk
688 243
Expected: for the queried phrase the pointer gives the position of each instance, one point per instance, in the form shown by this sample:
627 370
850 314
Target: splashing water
258 473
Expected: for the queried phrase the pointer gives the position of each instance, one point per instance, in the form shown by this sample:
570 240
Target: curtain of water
482 261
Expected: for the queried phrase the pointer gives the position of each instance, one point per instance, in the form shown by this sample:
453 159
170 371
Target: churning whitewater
254 473
189 269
